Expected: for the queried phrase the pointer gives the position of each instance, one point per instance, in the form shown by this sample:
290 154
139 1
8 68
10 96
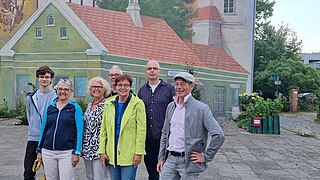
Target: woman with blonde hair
99 89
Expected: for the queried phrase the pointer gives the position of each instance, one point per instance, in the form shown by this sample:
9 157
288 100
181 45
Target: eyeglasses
123 85
63 89
96 87
115 75
152 68
44 77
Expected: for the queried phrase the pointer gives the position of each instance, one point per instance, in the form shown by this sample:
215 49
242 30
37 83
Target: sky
302 16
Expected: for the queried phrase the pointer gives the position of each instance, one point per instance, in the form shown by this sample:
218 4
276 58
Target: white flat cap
186 76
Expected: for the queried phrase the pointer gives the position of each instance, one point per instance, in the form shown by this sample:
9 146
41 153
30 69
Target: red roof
215 58
208 13
154 41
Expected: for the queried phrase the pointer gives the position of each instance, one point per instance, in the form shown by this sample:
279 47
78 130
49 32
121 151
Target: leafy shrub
82 104
306 106
22 112
4 110
253 105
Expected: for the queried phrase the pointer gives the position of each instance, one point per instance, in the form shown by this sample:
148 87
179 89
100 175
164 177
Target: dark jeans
151 159
29 159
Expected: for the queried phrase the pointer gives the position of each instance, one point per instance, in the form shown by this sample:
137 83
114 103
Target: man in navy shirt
156 95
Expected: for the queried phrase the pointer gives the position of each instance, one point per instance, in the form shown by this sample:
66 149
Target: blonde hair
105 84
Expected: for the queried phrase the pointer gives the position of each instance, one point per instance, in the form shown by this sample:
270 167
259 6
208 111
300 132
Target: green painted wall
51 41
68 59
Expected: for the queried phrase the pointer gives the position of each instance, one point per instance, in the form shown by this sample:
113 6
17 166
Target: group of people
163 125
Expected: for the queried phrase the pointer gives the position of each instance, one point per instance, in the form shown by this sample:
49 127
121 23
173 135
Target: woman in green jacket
123 131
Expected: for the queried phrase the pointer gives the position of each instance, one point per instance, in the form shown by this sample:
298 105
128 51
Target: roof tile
214 57
209 13
154 41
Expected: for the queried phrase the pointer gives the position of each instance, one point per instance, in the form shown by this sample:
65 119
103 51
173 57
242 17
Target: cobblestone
301 123
243 155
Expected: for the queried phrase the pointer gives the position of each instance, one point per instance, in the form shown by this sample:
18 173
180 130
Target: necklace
96 103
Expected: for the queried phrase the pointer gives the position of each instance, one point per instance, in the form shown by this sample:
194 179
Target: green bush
4 110
82 104
306 106
22 112
253 105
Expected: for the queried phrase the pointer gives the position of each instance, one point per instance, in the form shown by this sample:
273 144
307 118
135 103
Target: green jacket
132 132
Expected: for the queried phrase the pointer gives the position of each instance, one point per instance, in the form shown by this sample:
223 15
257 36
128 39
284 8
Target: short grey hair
65 81
104 83
116 67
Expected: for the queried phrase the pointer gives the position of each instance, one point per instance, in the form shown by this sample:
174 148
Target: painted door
22 84
219 101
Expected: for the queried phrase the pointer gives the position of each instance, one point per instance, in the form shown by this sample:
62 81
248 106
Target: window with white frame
229 6
63 33
39 33
50 20
234 94
234 97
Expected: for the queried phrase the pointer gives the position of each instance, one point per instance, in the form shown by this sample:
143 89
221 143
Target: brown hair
43 70
123 77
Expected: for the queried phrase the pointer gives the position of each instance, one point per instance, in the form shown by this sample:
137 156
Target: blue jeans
122 172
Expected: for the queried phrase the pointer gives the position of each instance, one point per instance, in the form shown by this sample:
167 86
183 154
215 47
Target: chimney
134 10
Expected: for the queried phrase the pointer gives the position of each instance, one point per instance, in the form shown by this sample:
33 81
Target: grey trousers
95 170
174 168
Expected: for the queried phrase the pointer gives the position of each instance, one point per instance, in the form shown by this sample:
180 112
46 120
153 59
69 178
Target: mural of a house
80 42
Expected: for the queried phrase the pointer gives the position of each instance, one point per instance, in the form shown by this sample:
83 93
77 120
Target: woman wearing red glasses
99 89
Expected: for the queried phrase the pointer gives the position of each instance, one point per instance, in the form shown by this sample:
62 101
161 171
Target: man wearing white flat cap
183 150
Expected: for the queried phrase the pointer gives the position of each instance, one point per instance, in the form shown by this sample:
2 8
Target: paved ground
243 155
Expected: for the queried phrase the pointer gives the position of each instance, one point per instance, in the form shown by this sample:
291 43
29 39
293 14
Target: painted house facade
80 42
228 24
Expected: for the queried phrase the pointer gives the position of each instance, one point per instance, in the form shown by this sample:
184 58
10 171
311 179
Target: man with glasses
156 95
184 153
36 103
114 72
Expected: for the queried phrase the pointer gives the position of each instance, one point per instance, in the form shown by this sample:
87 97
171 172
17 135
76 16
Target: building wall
68 58
310 57
237 31
208 77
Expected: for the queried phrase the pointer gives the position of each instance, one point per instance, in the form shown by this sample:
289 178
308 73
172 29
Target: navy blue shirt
156 105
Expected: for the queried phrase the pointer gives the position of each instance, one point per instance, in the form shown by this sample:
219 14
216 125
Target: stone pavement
243 156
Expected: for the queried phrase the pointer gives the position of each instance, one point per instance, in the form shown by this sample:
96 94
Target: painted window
50 20
22 84
234 96
80 86
57 78
63 33
39 33
229 6
142 81
219 101
133 87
